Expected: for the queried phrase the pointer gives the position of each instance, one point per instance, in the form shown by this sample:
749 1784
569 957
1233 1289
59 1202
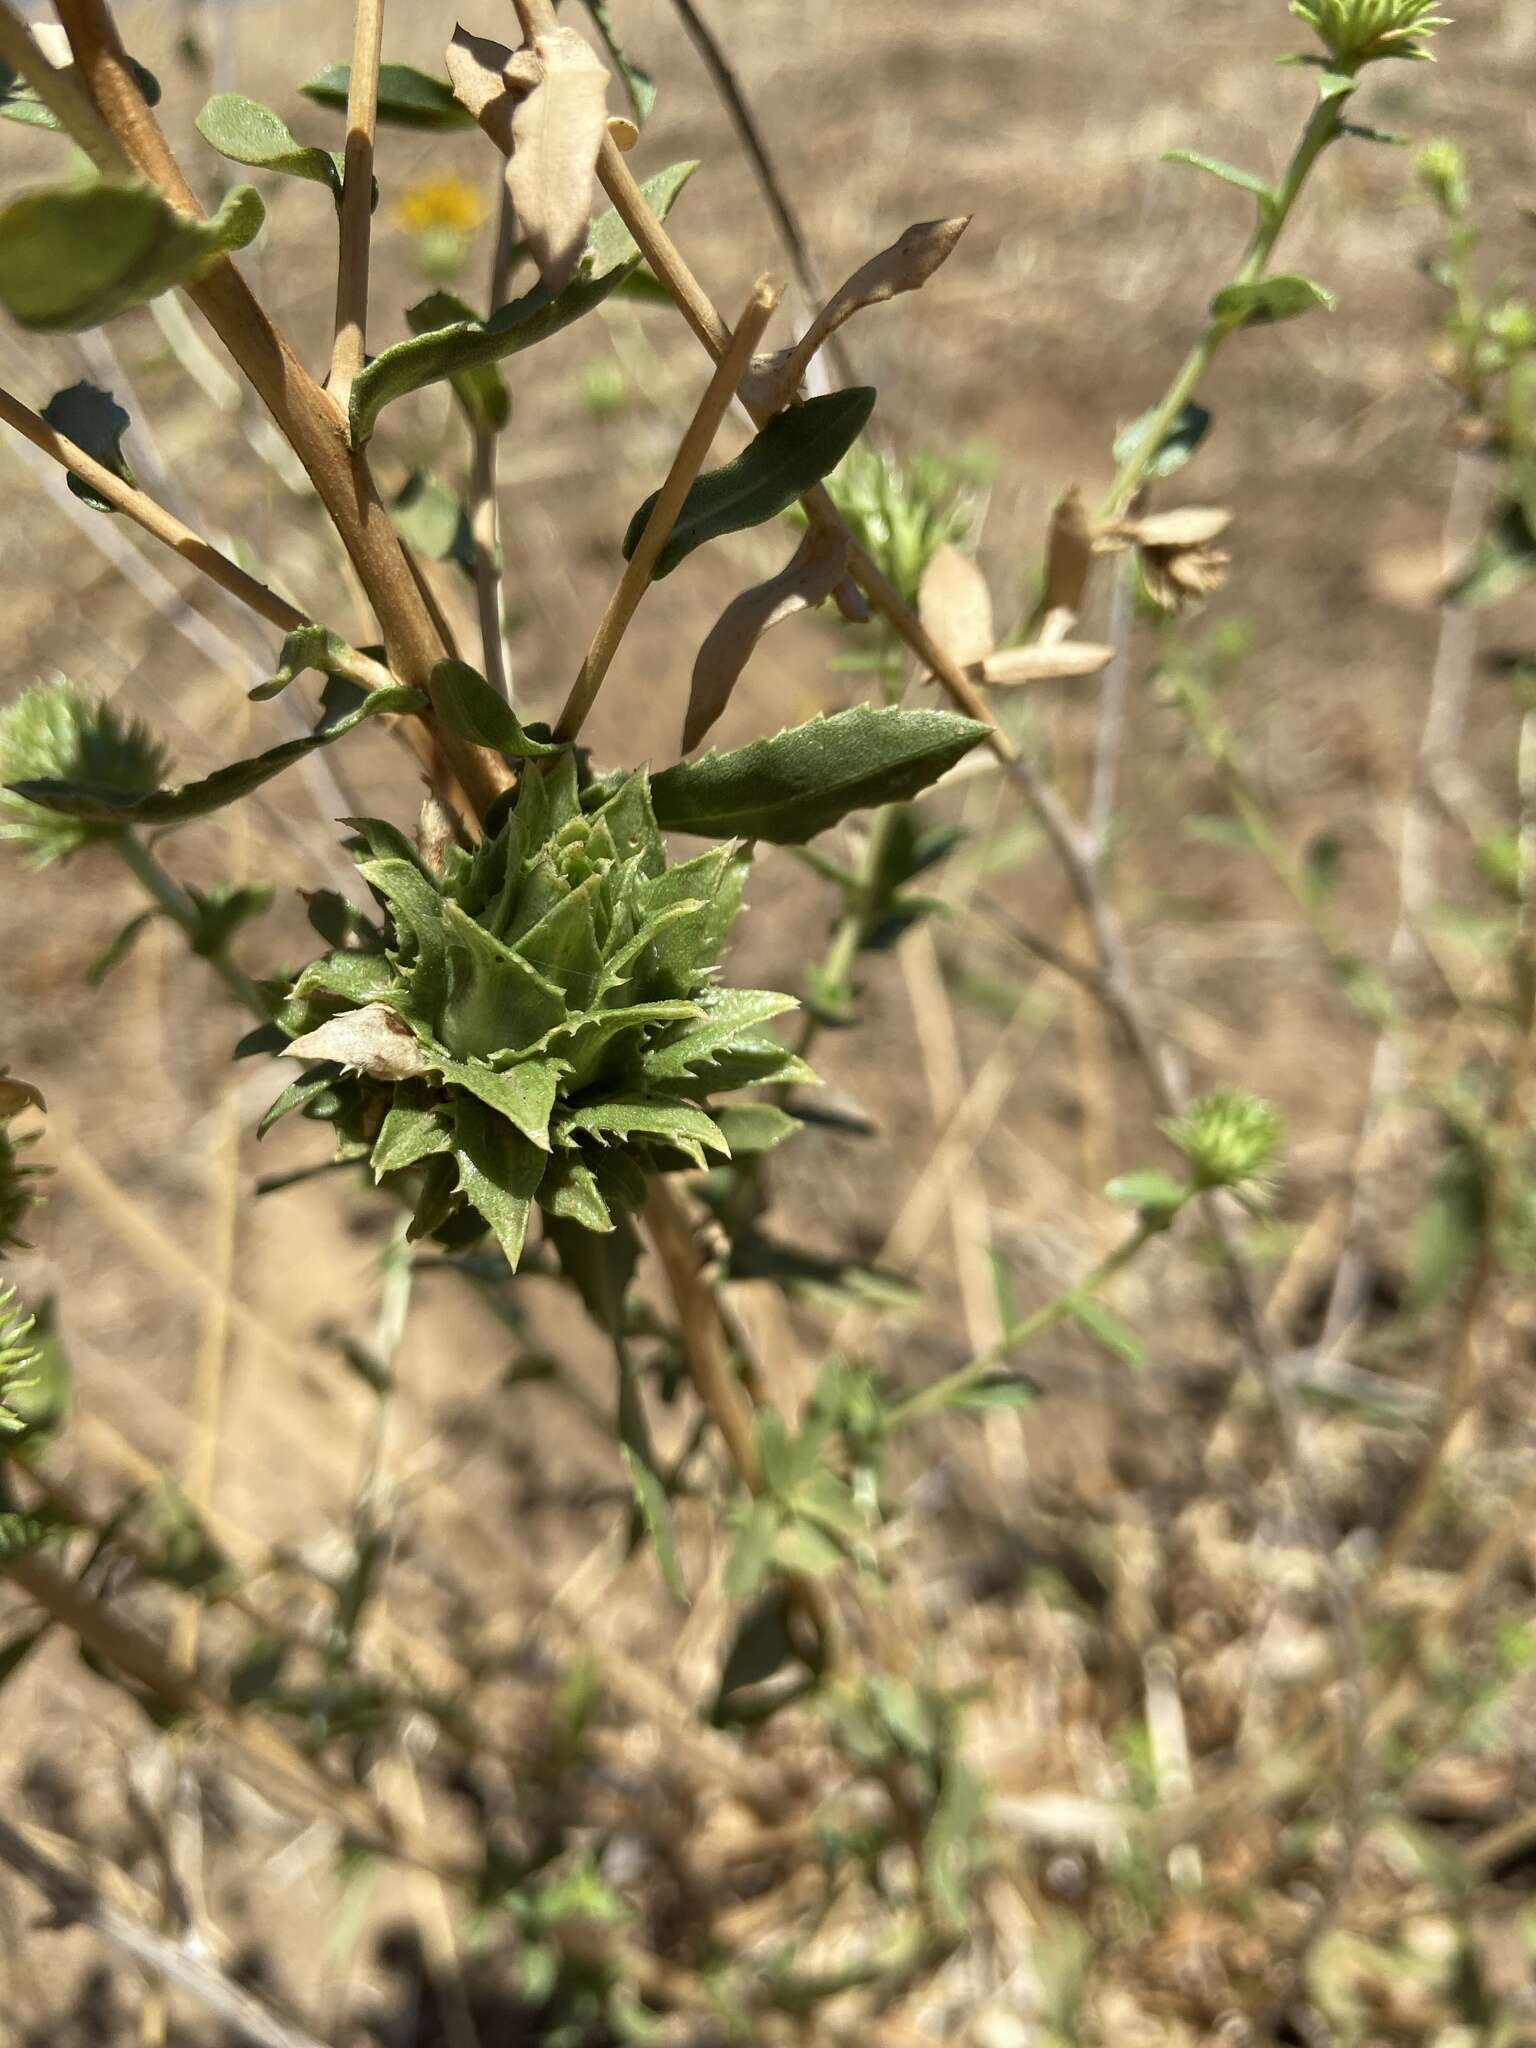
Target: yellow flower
449 202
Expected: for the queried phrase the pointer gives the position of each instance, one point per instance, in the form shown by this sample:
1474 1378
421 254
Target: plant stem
60 93
170 897
349 351
1322 128
152 517
945 1391
687 463
853 927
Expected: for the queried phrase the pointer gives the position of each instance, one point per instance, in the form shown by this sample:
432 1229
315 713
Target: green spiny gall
1359 32
1231 1139
536 1023
54 732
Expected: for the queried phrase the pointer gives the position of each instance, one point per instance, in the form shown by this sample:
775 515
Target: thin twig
350 349
750 131
484 512
77 1901
59 90
689 460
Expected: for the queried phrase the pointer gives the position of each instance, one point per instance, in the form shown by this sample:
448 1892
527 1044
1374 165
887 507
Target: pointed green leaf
434 520
117 952
1103 1325
570 1192
1270 300
752 1127
176 806
796 449
1000 1390
499 1174
408 1136
1178 443
467 705
298 1095
800 782
94 421
753 1551
464 346
678 1124
657 1514
729 1014
524 1095
1245 181
248 133
357 978
408 98
306 647
74 256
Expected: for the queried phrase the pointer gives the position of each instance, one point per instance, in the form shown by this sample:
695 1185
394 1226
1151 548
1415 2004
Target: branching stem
349 351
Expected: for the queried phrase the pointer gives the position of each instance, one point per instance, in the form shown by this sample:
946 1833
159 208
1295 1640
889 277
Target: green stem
853 928
1321 129
946 1390
169 896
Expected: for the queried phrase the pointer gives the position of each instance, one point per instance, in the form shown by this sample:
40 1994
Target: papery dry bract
955 606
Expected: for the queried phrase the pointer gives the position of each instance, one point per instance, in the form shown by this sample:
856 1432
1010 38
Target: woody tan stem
689 460
301 409
349 352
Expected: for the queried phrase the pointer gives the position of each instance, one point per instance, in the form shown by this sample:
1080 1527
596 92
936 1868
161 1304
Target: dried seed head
53 732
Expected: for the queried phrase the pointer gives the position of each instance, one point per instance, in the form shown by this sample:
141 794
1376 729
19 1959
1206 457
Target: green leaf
482 392
222 911
639 86
729 1013
1177 445
802 781
1000 1390
677 1124
1154 1194
1269 300
524 1094
248 133
175 806
408 98
114 954
753 1550
94 421
1245 181
651 1496
499 1173
408 1136
19 102
1336 85
752 1127
468 345
792 454
1503 565
467 705
1107 1329
74 256
434 520
306 647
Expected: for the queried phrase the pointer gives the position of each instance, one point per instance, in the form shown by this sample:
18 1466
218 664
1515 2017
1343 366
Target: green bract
16 1194
18 1358
1363 31
54 733
537 1022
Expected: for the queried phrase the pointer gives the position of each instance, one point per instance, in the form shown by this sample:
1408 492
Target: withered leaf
558 128
15 1096
1042 662
477 71
372 1039
1068 556
905 267
955 606
622 133
1192 526
816 569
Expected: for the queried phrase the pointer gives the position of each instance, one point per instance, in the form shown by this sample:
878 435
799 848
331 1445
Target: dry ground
1062 316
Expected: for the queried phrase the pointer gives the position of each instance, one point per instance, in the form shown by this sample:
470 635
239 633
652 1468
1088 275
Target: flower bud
55 733
1231 1139
1358 32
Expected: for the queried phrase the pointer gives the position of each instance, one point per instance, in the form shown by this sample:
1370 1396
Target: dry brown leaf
558 127
1043 663
816 569
1192 526
15 1096
622 133
905 267
477 71
1068 556
955 606
372 1039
